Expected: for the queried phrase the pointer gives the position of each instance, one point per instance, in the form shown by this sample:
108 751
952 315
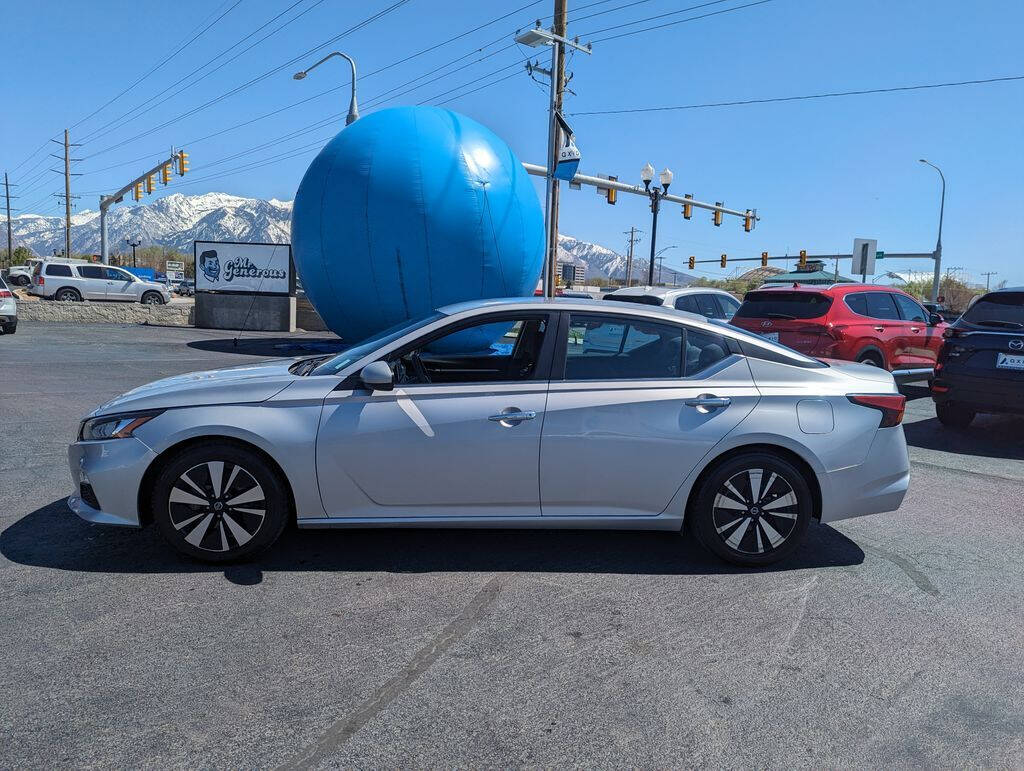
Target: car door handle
513 417
915 329
708 402
879 329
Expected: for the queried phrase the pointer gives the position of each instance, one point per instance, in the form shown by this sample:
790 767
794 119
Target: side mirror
377 376
934 319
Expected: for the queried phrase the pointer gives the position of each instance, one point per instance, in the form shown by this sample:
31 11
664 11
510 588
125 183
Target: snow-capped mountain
177 220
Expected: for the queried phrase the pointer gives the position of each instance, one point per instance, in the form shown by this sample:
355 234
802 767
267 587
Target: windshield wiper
306 366
778 315
998 323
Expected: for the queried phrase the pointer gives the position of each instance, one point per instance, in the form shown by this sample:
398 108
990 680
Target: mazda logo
768 324
1017 345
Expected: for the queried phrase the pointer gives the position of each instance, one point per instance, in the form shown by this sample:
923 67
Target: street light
133 244
353 109
655 194
661 262
938 243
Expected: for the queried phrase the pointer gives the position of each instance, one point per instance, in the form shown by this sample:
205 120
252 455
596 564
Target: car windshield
642 299
337 363
773 304
999 309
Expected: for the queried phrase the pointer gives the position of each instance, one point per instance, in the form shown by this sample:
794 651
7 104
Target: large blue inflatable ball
410 209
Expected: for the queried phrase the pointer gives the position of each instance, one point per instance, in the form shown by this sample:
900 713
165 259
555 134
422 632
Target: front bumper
112 470
872 487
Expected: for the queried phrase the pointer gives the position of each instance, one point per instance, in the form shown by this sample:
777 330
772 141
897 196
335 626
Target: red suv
856 322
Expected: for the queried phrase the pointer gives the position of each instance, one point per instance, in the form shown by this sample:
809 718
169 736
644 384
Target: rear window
58 270
1002 309
783 305
641 299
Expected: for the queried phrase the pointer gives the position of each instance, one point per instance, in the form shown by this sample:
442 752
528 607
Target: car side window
687 303
881 306
494 350
858 303
113 274
58 269
90 271
708 306
729 305
616 348
703 350
909 310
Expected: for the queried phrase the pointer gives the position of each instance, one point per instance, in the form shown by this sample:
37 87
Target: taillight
949 332
5 293
40 281
890 405
835 331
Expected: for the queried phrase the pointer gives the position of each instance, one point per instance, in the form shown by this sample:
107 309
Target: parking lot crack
345 728
918 577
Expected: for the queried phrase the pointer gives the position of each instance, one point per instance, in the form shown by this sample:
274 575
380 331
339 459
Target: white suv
704 301
91 281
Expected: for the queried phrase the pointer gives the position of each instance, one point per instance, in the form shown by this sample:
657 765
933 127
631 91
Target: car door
922 341
624 428
458 436
93 281
888 329
120 285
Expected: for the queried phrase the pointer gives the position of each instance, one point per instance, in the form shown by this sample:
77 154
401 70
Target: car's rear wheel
10 329
752 509
952 415
871 358
219 502
152 298
67 295
21 280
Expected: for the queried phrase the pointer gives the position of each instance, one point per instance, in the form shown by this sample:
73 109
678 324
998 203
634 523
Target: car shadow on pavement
989 436
53 537
280 347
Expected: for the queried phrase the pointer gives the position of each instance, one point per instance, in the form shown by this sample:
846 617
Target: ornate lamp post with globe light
655 194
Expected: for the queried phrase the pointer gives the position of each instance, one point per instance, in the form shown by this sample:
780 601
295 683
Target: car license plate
1009 361
773 336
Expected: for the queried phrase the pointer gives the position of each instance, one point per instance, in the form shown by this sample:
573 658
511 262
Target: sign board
173 265
864 250
229 266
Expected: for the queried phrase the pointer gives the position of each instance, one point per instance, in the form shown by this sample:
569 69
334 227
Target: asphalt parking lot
893 640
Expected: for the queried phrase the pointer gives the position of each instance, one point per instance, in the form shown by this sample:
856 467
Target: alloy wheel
755 511
217 506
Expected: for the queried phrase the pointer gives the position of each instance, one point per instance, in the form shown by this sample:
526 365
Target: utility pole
67 189
988 274
10 247
558 27
633 234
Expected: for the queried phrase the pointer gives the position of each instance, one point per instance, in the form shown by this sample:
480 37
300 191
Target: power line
649 18
163 61
859 92
681 21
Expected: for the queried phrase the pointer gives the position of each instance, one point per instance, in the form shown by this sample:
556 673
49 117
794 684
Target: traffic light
803 258
723 260
693 262
611 191
165 174
716 215
182 163
764 259
150 183
748 221
137 192
688 207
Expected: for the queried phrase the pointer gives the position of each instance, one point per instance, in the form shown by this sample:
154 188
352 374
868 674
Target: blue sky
820 172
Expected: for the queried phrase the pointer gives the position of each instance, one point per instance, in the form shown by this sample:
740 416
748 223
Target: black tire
21 280
741 531
67 295
152 298
10 329
952 415
195 526
871 358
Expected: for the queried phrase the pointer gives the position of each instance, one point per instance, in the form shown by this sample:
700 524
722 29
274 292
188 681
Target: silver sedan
505 413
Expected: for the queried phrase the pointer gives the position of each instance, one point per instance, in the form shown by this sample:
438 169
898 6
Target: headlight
113 426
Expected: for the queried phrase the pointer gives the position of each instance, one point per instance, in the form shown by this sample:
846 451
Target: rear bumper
980 394
876 485
113 470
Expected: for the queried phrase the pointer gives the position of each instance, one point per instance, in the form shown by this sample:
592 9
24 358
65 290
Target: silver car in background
502 414
8 310
74 282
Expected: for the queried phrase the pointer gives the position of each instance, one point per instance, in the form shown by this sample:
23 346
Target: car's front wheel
220 502
954 416
752 509
152 298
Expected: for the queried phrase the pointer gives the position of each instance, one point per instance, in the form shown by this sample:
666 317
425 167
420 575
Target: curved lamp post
661 262
656 194
353 109
938 243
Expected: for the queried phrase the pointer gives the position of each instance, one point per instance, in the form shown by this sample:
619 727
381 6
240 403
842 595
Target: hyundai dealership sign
229 266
